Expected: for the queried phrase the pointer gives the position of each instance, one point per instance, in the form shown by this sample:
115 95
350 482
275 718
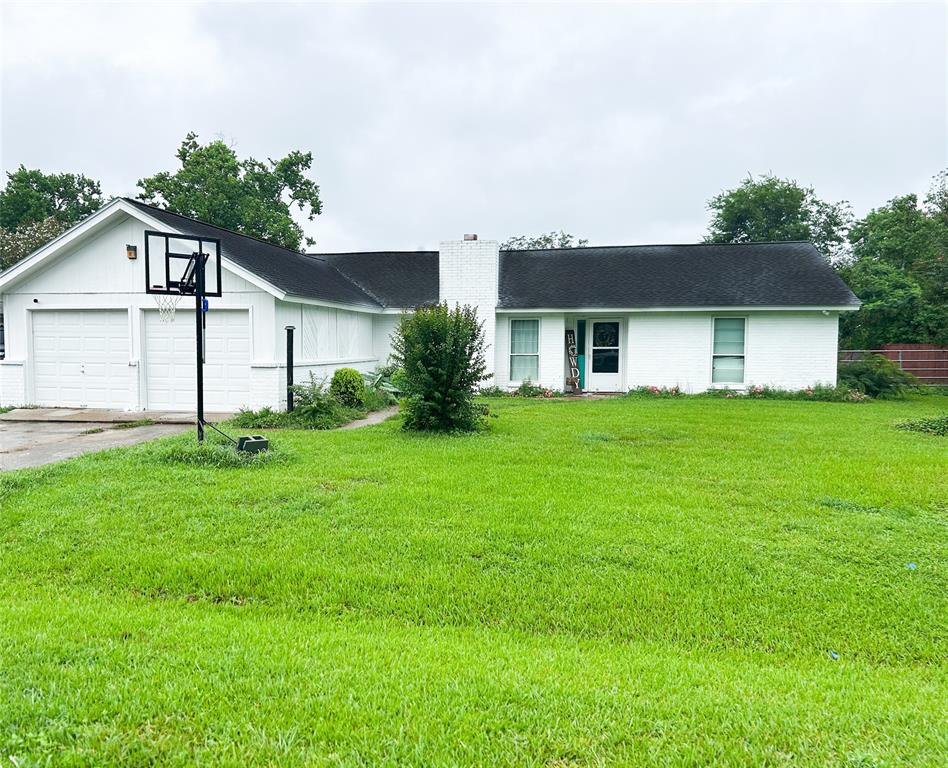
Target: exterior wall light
131 251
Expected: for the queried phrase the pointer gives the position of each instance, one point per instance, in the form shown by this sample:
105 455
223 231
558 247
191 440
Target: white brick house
80 331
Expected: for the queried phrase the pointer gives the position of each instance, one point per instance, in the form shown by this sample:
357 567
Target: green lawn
632 581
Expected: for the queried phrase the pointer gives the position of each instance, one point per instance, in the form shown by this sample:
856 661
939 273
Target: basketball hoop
179 265
167 303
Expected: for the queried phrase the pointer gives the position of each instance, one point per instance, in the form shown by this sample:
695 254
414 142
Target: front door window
605 356
604 372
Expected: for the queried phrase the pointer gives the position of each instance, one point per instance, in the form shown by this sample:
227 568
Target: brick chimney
468 274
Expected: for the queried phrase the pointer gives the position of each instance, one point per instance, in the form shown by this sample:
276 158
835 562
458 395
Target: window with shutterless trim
727 352
524 350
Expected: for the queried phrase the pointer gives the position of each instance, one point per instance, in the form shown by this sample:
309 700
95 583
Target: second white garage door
170 361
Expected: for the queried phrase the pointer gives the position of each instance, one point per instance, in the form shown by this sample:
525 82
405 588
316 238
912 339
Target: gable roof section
783 274
393 278
295 274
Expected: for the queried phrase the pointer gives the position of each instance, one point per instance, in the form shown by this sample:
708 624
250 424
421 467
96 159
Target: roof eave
692 308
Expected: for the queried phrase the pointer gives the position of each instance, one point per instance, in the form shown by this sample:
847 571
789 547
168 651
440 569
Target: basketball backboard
171 263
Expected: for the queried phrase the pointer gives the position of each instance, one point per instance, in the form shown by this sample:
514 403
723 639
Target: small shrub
654 391
441 352
528 389
933 425
877 376
314 409
839 394
816 393
380 390
348 387
377 399
265 418
318 409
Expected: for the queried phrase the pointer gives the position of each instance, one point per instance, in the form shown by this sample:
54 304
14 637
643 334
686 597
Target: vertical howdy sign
572 380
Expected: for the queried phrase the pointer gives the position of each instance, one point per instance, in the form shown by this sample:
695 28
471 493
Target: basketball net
167 303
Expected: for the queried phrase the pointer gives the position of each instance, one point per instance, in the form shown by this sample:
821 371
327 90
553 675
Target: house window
524 350
727 358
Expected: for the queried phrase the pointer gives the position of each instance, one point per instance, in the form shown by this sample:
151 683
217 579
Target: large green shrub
876 376
348 387
441 354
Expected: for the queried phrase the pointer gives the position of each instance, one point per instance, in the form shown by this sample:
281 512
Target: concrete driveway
27 440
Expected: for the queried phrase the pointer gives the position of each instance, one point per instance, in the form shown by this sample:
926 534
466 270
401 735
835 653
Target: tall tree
30 196
893 309
899 268
553 239
248 196
36 207
769 208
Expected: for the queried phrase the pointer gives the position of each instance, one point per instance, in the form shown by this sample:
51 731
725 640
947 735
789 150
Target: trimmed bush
441 354
348 387
877 376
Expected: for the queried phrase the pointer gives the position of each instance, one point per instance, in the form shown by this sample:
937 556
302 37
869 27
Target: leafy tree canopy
899 233
553 239
892 306
899 268
248 196
31 196
16 244
768 208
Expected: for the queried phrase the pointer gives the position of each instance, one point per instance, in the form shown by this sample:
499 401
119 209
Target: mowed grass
630 581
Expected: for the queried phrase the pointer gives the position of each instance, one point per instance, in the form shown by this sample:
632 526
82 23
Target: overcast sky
614 122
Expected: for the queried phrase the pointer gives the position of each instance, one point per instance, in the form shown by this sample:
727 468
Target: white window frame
511 354
729 384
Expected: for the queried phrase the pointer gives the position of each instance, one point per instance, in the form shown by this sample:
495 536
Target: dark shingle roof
392 278
705 275
294 273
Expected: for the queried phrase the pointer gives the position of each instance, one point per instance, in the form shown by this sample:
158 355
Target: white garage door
80 358
170 378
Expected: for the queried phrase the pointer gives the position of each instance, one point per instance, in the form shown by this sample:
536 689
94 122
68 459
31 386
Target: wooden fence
928 362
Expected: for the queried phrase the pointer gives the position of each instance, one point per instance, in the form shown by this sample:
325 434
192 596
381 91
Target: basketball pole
199 339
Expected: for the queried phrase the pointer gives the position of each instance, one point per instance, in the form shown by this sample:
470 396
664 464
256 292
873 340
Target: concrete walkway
106 416
376 417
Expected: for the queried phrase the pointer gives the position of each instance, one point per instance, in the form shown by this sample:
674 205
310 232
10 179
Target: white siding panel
552 351
318 341
12 383
668 350
383 328
791 350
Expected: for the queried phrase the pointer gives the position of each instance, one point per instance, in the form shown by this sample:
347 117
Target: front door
603 358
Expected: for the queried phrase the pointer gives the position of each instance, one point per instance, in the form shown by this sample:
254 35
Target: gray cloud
426 121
